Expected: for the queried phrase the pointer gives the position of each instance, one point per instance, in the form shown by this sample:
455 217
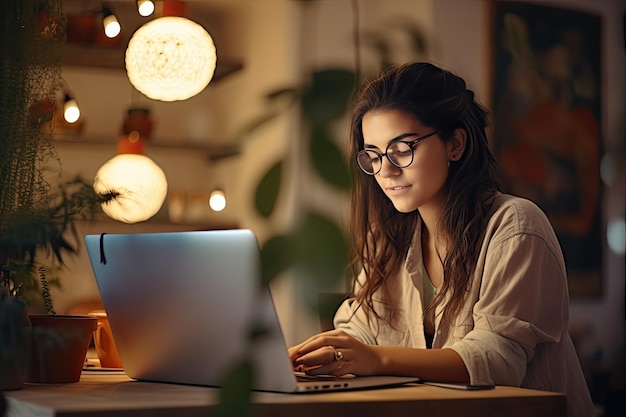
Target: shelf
89 49
213 152
77 55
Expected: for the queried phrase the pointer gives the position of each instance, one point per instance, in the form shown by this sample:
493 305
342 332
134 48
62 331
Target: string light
145 7
110 23
71 112
217 200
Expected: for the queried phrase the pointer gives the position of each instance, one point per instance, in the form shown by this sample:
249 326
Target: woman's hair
382 235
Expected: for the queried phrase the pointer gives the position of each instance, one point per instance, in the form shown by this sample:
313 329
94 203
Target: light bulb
145 7
71 112
217 200
112 27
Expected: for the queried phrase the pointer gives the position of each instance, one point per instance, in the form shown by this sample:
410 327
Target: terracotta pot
132 143
138 120
15 332
59 347
81 28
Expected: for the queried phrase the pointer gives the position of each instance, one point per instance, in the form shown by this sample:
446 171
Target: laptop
182 307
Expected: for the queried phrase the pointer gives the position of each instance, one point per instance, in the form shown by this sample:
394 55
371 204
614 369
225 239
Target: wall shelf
100 52
213 152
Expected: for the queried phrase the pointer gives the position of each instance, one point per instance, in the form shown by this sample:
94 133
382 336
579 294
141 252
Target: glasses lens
369 161
400 154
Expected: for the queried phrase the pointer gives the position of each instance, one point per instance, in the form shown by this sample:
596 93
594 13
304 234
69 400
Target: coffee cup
104 342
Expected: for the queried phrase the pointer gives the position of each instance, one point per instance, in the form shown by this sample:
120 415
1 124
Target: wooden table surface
101 394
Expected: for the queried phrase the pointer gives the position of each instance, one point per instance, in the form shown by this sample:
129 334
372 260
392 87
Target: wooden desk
101 394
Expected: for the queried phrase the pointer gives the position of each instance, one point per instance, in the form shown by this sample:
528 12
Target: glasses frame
410 143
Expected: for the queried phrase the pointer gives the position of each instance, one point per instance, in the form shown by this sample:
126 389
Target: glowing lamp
145 7
217 200
71 112
170 58
141 185
110 23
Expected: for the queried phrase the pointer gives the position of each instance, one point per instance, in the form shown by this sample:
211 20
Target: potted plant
59 342
36 217
44 231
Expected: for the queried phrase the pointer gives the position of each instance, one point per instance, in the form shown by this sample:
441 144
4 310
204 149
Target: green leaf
329 160
258 332
267 190
328 96
235 392
321 253
276 256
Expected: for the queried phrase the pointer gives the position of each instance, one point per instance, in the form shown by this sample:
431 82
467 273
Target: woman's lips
397 189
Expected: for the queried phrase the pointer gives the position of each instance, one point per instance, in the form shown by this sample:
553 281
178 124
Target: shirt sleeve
522 303
352 319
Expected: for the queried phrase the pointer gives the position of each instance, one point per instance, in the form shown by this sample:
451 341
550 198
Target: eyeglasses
399 153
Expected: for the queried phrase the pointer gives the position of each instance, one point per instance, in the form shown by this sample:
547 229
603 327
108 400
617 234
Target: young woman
456 281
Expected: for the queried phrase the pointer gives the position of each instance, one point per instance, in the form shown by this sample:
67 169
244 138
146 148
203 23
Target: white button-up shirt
512 328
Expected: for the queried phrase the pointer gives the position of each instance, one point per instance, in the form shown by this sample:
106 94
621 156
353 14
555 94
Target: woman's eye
400 153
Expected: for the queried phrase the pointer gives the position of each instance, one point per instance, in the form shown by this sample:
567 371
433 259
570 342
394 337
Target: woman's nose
387 169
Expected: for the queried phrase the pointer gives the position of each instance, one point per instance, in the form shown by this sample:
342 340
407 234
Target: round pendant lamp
170 58
140 182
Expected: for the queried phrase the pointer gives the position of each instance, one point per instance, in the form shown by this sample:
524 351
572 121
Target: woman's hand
334 353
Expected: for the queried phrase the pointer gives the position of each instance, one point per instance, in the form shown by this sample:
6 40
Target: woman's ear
456 145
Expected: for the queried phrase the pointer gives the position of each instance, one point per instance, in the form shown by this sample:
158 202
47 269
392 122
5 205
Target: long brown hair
382 235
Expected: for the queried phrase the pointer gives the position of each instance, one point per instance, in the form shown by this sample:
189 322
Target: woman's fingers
330 338
333 368
335 353
324 353
327 360
321 356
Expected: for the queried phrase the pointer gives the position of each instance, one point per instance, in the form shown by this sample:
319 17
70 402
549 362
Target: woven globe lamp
140 183
170 58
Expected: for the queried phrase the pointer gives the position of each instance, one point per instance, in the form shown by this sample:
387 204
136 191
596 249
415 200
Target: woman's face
421 183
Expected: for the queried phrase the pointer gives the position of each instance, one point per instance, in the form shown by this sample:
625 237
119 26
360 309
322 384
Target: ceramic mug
104 343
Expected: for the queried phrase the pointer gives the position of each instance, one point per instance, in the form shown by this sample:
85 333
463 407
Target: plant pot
59 347
81 28
15 332
138 120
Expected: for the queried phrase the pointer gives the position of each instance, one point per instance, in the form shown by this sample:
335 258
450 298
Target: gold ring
338 355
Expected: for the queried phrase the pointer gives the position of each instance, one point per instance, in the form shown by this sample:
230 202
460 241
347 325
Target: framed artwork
546 124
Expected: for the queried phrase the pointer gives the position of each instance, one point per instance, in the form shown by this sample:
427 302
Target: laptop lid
182 307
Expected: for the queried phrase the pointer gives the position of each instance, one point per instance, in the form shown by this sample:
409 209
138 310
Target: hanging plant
35 216
45 291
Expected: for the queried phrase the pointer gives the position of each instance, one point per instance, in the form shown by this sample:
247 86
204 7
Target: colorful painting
547 113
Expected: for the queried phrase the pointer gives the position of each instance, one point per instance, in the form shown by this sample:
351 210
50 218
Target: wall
265 32
598 321
279 39
603 319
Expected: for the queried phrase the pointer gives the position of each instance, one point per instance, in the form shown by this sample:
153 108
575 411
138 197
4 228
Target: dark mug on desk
104 343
